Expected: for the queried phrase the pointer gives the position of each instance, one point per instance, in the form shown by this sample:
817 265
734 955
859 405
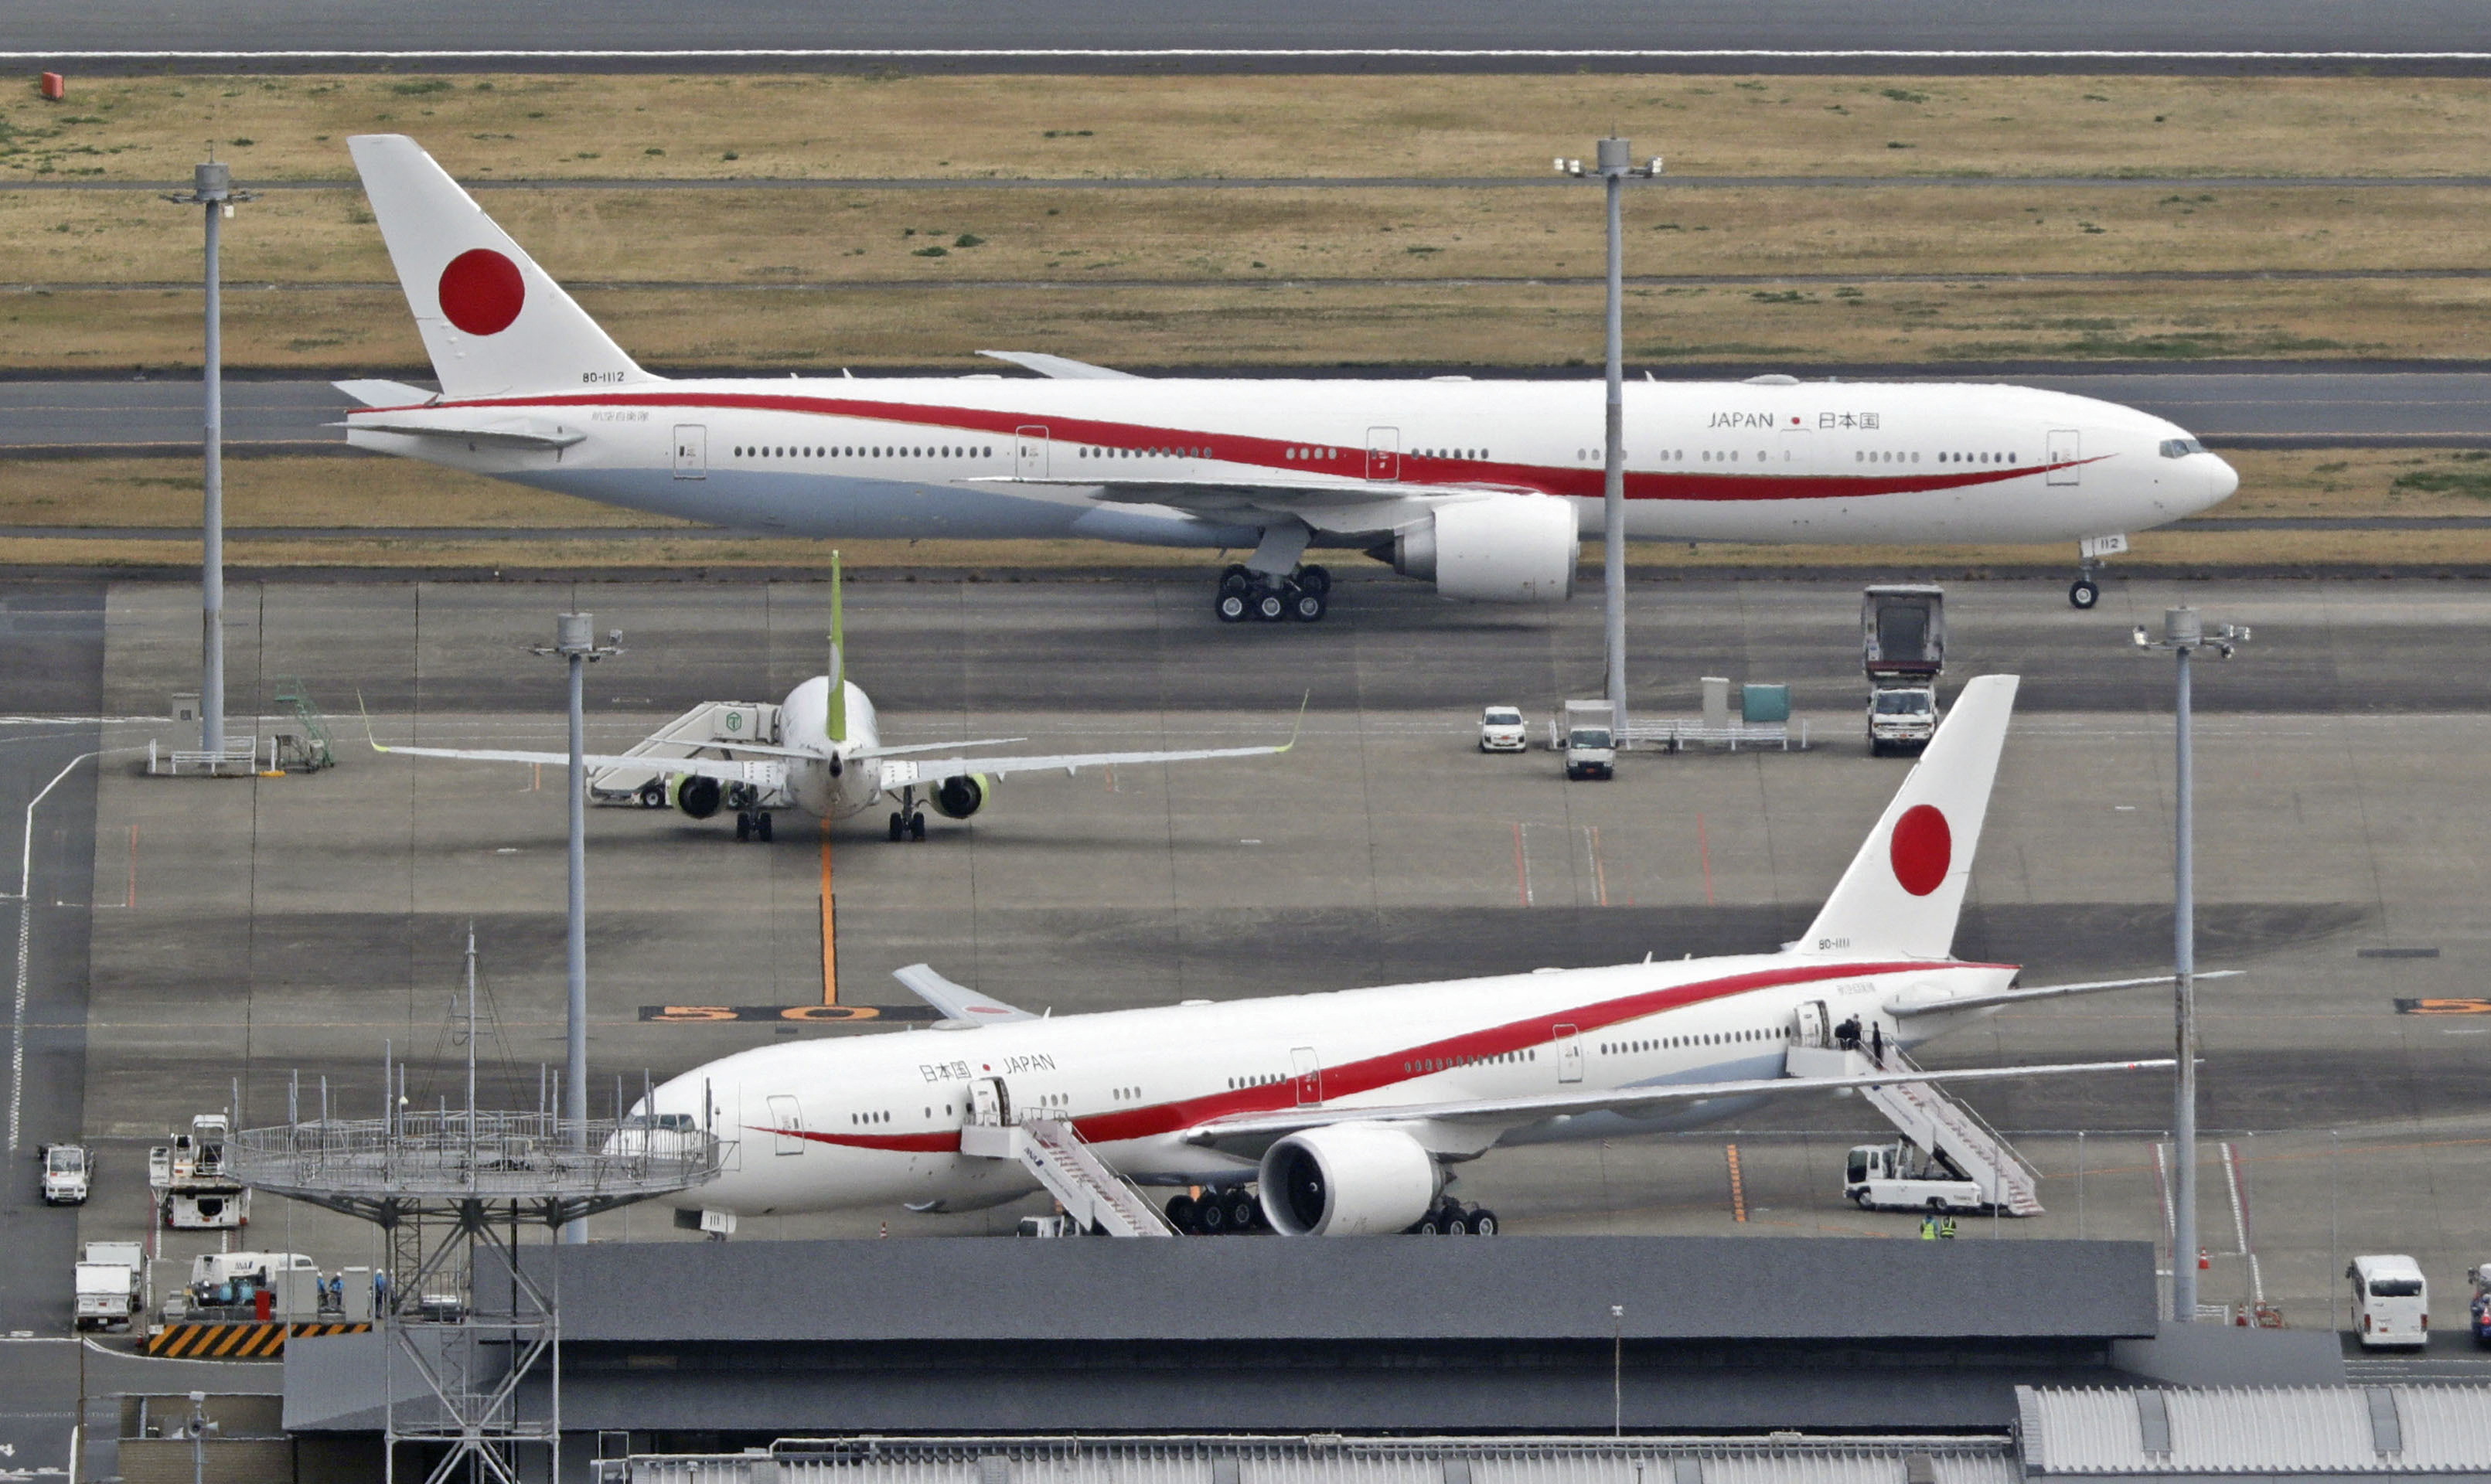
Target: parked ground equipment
109 1281
1501 730
2390 1301
1590 740
193 1190
1902 648
66 1170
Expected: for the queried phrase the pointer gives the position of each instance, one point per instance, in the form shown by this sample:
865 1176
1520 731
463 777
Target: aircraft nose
2221 480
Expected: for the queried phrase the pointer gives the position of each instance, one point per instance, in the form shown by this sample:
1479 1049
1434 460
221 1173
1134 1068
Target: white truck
1899 1176
1902 648
1590 740
66 1171
108 1284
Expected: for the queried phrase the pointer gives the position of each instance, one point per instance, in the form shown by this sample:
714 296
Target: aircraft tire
742 828
917 826
1314 579
1243 1212
761 827
2083 594
1454 1224
898 825
1231 607
1180 1213
1306 605
1211 1215
1270 605
1429 1224
1483 1222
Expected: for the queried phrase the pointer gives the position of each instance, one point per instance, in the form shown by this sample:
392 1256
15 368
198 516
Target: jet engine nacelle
697 795
961 797
1499 550
1348 1179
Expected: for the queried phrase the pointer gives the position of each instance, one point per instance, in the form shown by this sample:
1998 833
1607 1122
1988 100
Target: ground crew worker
1945 1229
1928 1229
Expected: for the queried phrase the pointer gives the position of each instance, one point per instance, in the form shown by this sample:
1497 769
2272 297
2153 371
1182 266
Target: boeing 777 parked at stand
1346 1112
1482 487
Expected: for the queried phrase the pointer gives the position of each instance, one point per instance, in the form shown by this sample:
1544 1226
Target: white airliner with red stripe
1345 1109
1482 487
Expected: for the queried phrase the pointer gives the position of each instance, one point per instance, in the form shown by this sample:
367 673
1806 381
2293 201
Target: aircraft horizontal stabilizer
1058 367
1936 1006
905 774
385 394
958 1002
530 435
1514 1111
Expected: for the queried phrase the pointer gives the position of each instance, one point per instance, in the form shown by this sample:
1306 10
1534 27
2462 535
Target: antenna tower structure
454 1189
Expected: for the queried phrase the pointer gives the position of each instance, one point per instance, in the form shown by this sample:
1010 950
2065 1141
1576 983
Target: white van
2390 1301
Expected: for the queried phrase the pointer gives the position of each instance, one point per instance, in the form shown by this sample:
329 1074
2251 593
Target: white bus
2390 1301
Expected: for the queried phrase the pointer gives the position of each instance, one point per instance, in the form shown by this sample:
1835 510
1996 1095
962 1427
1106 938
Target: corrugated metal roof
2260 1430
1351 1461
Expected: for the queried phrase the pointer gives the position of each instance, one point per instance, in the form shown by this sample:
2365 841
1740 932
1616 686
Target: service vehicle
66 1170
1902 651
1501 730
194 1190
1590 740
1900 1177
110 1277
2390 1301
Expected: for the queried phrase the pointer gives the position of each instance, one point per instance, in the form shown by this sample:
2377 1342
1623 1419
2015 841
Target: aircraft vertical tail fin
1904 889
493 322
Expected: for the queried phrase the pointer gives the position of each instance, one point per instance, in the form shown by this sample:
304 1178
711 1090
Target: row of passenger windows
812 450
1673 1043
1891 456
1447 1063
1448 452
1088 452
1237 1084
869 1117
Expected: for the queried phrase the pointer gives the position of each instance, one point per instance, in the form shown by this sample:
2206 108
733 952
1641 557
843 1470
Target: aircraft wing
761 775
865 753
958 1002
1058 367
913 772
1907 1008
1513 1112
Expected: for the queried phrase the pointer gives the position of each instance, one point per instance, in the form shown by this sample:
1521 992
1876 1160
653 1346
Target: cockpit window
2181 448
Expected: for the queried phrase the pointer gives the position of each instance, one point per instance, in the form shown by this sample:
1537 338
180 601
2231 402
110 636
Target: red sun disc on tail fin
1922 847
482 291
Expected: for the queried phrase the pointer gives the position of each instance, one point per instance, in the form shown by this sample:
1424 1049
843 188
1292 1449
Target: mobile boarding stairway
1932 1123
710 725
1093 1196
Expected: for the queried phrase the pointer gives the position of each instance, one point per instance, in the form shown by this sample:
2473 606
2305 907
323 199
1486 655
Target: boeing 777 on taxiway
1482 487
1346 1113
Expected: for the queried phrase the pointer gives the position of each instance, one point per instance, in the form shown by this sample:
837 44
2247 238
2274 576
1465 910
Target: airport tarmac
253 928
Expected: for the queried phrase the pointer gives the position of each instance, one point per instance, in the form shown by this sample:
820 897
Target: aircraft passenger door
990 1104
1812 1024
1029 453
1383 453
2065 448
1570 1053
1309 1070
786 1117
692 451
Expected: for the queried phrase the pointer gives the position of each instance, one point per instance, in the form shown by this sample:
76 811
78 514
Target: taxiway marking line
1704 855
830 924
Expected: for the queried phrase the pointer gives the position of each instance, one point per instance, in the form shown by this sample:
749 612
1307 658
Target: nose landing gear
753 823
1304 595
2083 592
908 822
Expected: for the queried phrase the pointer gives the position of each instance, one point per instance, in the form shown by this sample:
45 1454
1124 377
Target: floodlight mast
212 187
1613 161
2185 632
576 641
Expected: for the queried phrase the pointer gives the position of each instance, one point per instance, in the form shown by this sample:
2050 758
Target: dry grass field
107 494
295 127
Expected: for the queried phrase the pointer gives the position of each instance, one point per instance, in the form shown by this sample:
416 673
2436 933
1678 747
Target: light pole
576 641
1613 161
212 187
2183 632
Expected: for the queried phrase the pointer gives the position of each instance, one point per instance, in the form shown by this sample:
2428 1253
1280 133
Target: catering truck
108 1279
1902 648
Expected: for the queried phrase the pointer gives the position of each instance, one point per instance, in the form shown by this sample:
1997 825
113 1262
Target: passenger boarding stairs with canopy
1094 1196
1933 1123
710 726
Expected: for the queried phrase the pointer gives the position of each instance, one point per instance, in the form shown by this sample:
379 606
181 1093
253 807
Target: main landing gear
1231 1212
1304 595
1451 1218
753 825
907 822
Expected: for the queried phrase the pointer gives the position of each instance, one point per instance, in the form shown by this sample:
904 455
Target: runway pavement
1100 35
2243 408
